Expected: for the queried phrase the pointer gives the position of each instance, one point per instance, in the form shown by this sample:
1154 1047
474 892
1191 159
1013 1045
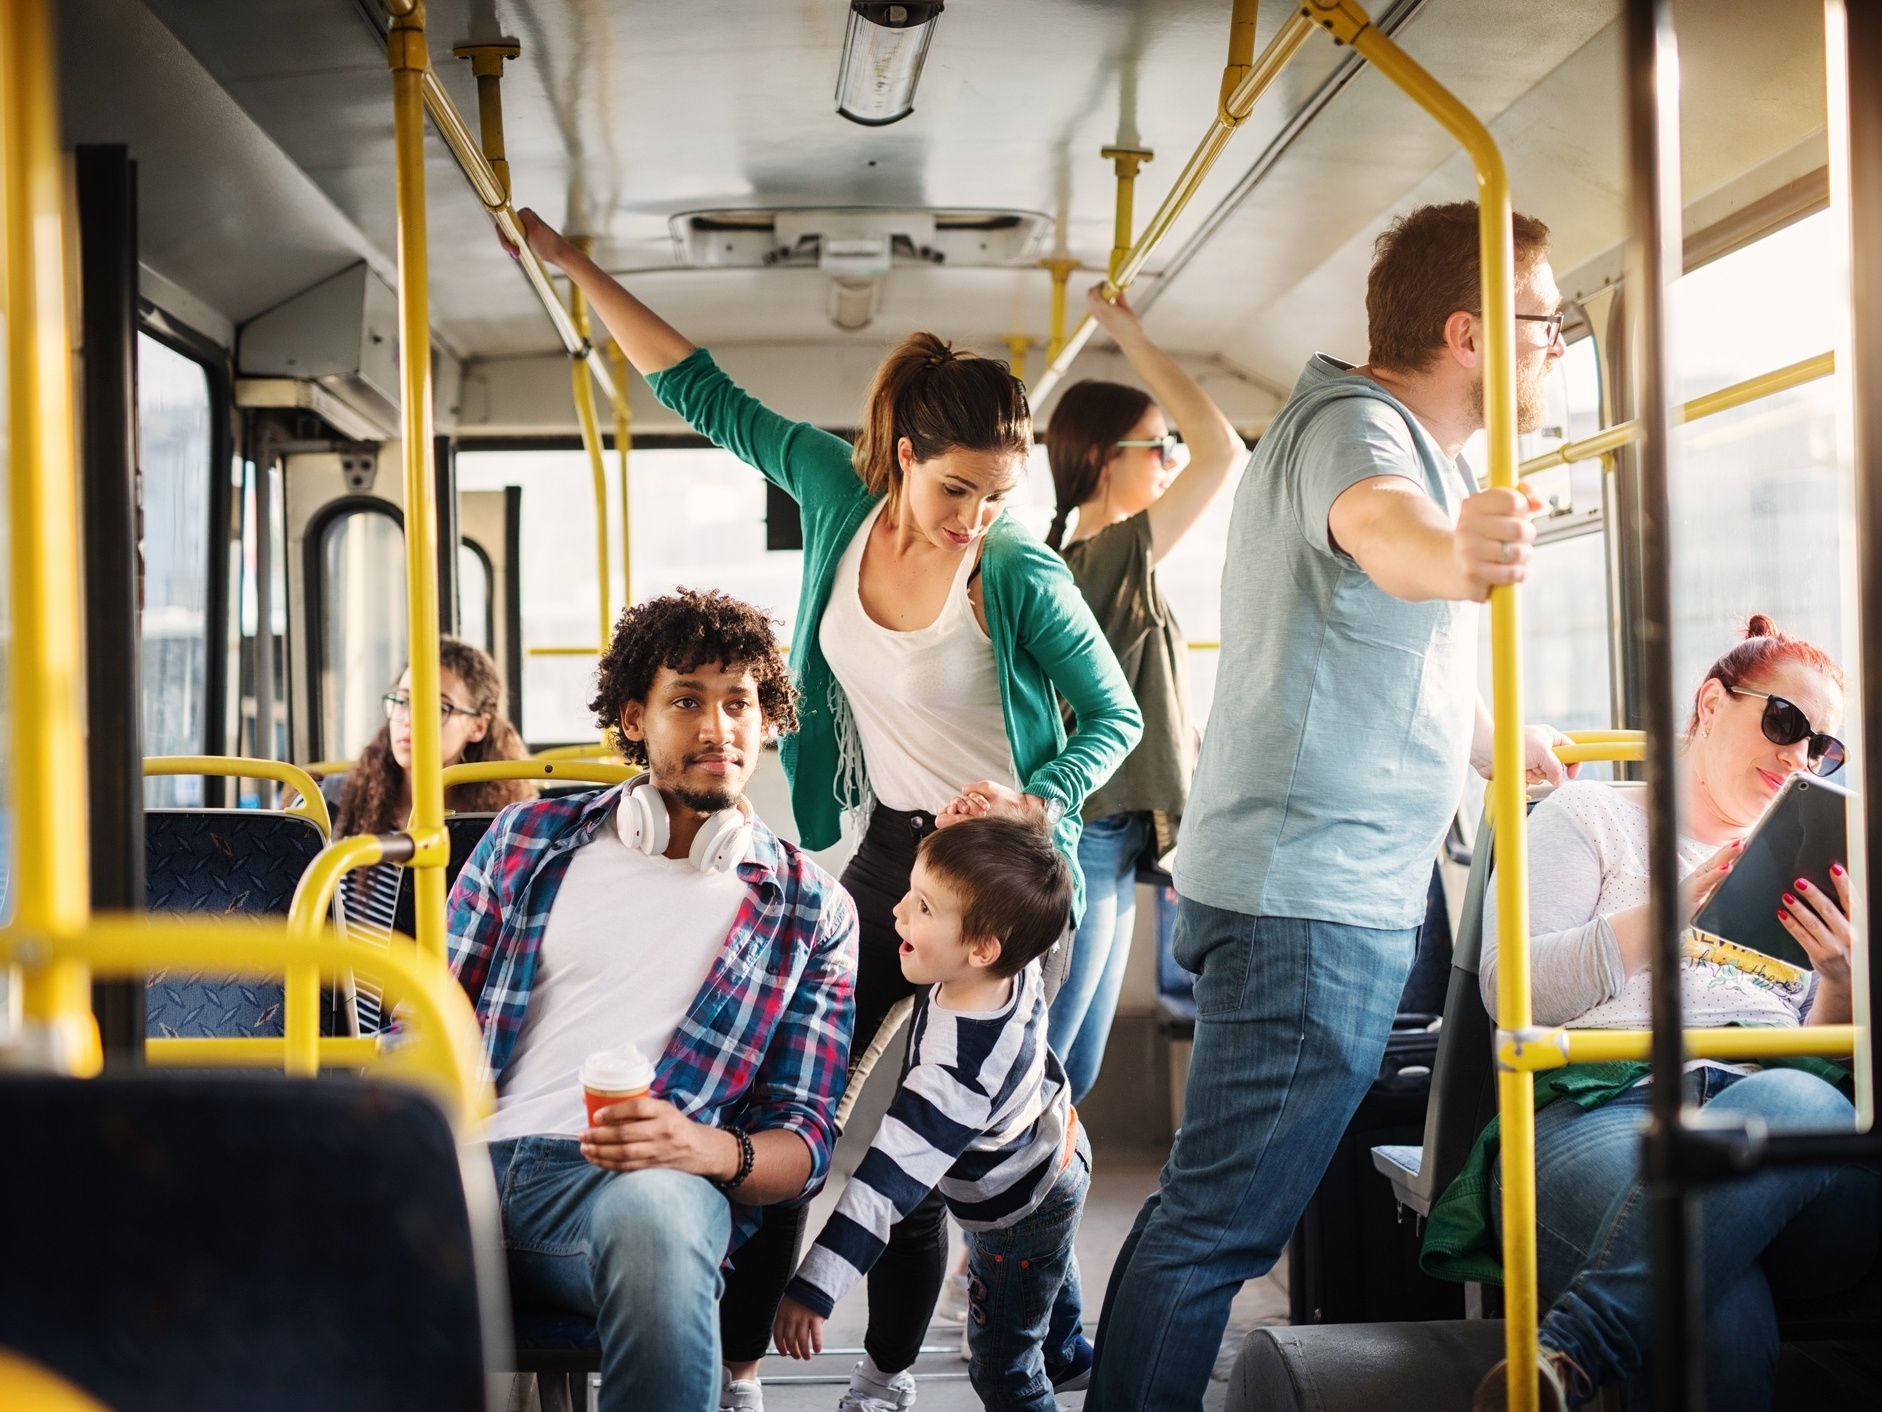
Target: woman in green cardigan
935 639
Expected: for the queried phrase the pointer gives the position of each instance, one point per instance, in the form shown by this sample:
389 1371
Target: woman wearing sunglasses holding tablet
1136 491
1767 709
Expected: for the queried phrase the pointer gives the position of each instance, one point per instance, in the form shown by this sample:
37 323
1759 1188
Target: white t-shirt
1588 860
925 703
629 941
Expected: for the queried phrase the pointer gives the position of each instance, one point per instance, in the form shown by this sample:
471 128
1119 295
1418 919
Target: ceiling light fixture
883 52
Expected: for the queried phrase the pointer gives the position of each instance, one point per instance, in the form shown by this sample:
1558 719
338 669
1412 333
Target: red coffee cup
614 1076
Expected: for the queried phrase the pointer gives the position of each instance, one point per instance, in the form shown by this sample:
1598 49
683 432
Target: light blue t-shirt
1338 743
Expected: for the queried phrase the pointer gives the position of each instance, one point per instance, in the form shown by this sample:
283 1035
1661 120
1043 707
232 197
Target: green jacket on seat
1046 644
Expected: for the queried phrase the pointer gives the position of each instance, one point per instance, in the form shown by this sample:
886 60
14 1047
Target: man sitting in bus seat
661 913
1345 714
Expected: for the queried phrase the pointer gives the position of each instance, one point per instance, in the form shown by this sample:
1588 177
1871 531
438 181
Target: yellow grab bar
601 750
623 443
1735 395
439 1048
1348 23
51 883
312 804
577 770
1233 112
1551 1046
258 1052
410 63
584 391
324 768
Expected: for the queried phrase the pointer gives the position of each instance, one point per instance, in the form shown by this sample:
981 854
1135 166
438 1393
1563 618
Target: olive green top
1113 570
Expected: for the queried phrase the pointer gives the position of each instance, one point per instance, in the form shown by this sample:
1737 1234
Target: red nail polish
1789 901
1803 884
1782 915
1836 870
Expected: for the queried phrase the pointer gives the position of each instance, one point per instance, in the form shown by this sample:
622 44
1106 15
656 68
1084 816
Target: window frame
314 577
490 585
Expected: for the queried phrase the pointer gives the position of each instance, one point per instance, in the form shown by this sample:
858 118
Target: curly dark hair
369 801
682 630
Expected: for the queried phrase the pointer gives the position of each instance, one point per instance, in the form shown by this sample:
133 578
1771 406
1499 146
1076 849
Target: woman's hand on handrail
650 342
1215 448
1821 926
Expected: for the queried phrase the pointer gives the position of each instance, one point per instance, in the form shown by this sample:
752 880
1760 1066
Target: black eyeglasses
399 704
1786 724
1554 321
1170 450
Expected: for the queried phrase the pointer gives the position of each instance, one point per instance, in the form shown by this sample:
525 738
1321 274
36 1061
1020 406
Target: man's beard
1532 405
704 801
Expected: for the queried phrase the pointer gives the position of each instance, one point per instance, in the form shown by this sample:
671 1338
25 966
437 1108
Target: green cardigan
1046 644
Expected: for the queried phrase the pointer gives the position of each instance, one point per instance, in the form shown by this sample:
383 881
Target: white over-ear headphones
720 845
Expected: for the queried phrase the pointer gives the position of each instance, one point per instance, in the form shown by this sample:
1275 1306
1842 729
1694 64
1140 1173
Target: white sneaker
869 1391
740 1394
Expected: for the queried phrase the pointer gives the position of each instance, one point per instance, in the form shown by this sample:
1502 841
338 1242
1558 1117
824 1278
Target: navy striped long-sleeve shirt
981 1113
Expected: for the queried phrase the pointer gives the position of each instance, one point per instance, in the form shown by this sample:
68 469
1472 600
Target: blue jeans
1087 1001
1788 1231
1022 1281
639 1252
1291 1021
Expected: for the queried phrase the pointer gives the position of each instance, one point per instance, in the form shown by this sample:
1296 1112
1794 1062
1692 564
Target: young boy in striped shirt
983 1112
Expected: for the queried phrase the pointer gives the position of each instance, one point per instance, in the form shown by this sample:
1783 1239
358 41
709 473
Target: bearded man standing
1346 711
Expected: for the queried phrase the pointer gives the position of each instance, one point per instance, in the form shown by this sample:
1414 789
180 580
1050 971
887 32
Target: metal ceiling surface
621 113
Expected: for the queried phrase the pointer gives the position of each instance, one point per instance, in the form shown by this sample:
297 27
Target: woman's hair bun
1761 625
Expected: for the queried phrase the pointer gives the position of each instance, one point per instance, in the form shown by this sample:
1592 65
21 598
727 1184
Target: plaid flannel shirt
765 1043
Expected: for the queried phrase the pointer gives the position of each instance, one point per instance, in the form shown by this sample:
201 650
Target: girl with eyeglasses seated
1766 710
377 794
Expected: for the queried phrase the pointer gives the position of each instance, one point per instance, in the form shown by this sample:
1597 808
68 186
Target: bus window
1773 464
476 607
699 521
173 454
362 624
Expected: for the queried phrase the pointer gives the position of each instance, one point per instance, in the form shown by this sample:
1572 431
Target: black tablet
1805 830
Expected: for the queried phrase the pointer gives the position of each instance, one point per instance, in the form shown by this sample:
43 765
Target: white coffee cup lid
617 1071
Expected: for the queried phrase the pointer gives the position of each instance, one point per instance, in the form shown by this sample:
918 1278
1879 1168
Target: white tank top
926 703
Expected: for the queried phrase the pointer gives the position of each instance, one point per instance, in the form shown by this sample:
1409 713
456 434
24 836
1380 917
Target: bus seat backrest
221 862
1463 1077
186 1241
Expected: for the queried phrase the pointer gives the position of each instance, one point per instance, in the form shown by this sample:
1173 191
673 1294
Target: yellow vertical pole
584 390
1061 267
1127 160
409 59
486 61
51 886
623 443
1241 56
1018 345
1349 23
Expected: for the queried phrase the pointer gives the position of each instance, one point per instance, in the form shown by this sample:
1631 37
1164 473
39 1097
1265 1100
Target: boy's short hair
683 630
1013 885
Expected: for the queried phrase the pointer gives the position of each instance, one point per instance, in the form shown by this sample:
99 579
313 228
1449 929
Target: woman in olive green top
1115 463
935 637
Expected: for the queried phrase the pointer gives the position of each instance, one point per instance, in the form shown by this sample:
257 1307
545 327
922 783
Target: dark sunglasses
1785 724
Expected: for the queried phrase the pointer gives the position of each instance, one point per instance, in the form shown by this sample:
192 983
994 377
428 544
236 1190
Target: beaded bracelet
746 1156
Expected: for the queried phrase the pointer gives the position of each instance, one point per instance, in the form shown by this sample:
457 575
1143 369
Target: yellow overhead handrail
578 771
623 443
1255 77
1737 394
1348 23
311 805
494 193
597 750
46 766
439 1046
323 768
410 63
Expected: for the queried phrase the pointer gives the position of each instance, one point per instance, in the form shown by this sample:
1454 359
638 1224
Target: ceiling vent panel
858 242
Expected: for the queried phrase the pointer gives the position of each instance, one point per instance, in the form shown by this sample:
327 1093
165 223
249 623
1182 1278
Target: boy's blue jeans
1788 1231
1023 1302
637 1251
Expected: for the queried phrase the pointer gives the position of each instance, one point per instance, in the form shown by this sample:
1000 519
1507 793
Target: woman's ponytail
941 400
1056 533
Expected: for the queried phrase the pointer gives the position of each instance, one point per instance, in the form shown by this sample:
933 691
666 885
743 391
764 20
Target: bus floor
1118 1187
